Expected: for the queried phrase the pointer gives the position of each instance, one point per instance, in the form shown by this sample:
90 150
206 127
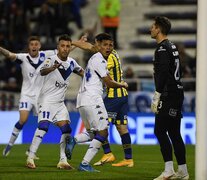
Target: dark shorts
171 105
117 109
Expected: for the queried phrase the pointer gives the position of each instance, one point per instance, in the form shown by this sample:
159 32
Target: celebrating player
57 70
116 103
30 64
90 103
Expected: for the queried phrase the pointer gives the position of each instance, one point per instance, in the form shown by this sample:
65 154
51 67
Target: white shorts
94 117
53 112
28 103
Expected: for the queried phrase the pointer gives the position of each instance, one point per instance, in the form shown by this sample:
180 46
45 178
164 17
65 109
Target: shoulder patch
42 56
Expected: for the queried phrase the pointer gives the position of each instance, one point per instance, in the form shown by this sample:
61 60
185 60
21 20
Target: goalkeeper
167 101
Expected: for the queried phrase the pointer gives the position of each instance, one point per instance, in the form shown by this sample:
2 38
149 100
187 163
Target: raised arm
8 54
85 46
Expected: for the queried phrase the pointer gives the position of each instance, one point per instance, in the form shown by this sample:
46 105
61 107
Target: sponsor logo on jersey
60 84
179 86
161 49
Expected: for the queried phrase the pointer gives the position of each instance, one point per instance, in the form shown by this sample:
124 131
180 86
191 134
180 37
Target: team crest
42 58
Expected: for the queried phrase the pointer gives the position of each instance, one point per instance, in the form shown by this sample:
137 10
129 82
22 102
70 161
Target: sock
62 145
169 167
15 133
92 151
82 137
126 143
183 168
106 147
37 139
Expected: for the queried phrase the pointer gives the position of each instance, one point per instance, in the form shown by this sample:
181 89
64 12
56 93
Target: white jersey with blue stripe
32 80
56 82
91 89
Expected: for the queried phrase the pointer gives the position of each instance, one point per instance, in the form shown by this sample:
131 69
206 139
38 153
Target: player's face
33 48
154 31
64 49
105 47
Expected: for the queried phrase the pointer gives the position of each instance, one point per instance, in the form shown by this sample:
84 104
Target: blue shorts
117 109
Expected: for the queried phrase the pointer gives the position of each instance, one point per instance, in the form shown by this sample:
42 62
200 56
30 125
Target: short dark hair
33 38
64 37
163 23
103 36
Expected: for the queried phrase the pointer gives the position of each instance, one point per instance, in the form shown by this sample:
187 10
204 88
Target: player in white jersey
30 64
90 103
56 70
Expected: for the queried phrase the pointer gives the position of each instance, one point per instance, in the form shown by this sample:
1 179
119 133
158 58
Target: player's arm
110 83
46 70
8 54
80 73
85 46
161 70
161 73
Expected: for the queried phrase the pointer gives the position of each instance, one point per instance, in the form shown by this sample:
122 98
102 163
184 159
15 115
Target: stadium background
136 51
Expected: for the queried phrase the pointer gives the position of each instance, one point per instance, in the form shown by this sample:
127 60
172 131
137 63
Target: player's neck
160 38
62 58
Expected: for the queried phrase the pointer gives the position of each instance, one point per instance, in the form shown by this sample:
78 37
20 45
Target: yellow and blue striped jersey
116 73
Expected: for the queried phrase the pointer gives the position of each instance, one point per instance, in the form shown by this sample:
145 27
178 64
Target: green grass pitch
147 159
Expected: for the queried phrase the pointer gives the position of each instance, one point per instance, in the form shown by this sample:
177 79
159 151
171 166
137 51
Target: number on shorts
23 104
160 105
46 114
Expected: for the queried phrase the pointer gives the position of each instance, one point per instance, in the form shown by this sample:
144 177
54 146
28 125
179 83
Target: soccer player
30 65
56 71
167 101
90 103
116 103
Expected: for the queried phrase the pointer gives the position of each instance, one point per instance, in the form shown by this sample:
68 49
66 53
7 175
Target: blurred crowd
49 18
21 18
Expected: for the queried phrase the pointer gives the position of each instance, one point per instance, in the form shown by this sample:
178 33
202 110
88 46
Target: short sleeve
77 67
100 67
20 57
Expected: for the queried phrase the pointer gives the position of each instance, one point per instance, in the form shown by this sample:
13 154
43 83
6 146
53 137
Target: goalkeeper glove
155 102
